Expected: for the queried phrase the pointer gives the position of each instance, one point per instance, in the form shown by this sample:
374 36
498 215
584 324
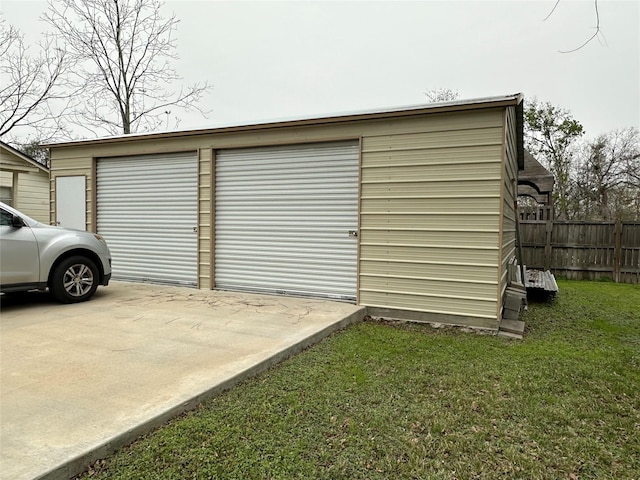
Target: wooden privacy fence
583 250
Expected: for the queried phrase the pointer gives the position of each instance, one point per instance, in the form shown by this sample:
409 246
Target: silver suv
71 263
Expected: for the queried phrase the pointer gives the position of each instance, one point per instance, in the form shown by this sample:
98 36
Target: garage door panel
283 283
283 217
147 211
283 259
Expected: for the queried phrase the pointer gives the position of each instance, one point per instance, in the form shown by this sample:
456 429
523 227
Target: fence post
617 252
547 244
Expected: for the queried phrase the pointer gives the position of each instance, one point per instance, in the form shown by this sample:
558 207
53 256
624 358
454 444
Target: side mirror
16 221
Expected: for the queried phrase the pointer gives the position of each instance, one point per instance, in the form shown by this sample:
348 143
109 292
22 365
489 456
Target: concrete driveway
79 381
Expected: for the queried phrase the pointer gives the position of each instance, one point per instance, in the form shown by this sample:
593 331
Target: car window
5 218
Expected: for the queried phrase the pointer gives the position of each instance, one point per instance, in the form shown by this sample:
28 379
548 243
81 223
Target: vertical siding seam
199 228
93 198
52 197
359 217
50 193
212 218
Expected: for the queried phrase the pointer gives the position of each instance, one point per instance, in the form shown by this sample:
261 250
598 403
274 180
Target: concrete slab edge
80 463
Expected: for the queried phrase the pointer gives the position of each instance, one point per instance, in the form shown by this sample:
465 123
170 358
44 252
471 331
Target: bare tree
437 95
608 177
31 85
123 49
34 150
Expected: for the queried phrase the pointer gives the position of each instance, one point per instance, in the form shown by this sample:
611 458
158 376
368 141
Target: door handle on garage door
195 229
353 233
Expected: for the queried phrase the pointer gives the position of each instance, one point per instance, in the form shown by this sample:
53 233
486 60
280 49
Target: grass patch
380 401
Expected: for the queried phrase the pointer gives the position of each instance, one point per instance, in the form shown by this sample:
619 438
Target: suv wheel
75 279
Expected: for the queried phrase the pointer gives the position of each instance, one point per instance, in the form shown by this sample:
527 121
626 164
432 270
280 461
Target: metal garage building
408 211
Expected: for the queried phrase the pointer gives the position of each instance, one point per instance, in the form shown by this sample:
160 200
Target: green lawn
381 401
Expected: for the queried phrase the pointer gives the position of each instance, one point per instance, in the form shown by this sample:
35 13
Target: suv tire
75 279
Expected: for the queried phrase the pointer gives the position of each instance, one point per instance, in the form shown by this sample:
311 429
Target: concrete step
519 291
510 315
513 336
512 326
512 302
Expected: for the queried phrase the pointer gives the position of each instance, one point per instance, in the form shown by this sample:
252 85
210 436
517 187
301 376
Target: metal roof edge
440 107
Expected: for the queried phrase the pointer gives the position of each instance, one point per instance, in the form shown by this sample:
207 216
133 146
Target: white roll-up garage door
148 212
286 219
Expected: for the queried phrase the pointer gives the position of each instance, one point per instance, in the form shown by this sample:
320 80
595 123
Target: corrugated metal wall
432 204
283 216
510 189
147 210
430 217
33 195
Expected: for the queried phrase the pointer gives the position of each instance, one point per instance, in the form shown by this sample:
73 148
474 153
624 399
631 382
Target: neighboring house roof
535 180
16 161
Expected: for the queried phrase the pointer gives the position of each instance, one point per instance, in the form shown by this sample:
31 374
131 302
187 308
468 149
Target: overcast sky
273 60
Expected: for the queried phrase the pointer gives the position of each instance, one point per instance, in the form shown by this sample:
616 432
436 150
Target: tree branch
125 47
595 6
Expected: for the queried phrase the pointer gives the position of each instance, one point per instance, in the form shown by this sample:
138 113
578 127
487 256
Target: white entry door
71 202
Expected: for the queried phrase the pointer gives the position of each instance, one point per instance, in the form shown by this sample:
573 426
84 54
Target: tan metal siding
427 140
33 195
422 254
437 189
205 233
450 238
437 270
451 155
431 204
430 218
422 301
454 173
509 214
463 223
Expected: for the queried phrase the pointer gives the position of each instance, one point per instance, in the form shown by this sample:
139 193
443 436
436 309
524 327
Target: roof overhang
514 100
